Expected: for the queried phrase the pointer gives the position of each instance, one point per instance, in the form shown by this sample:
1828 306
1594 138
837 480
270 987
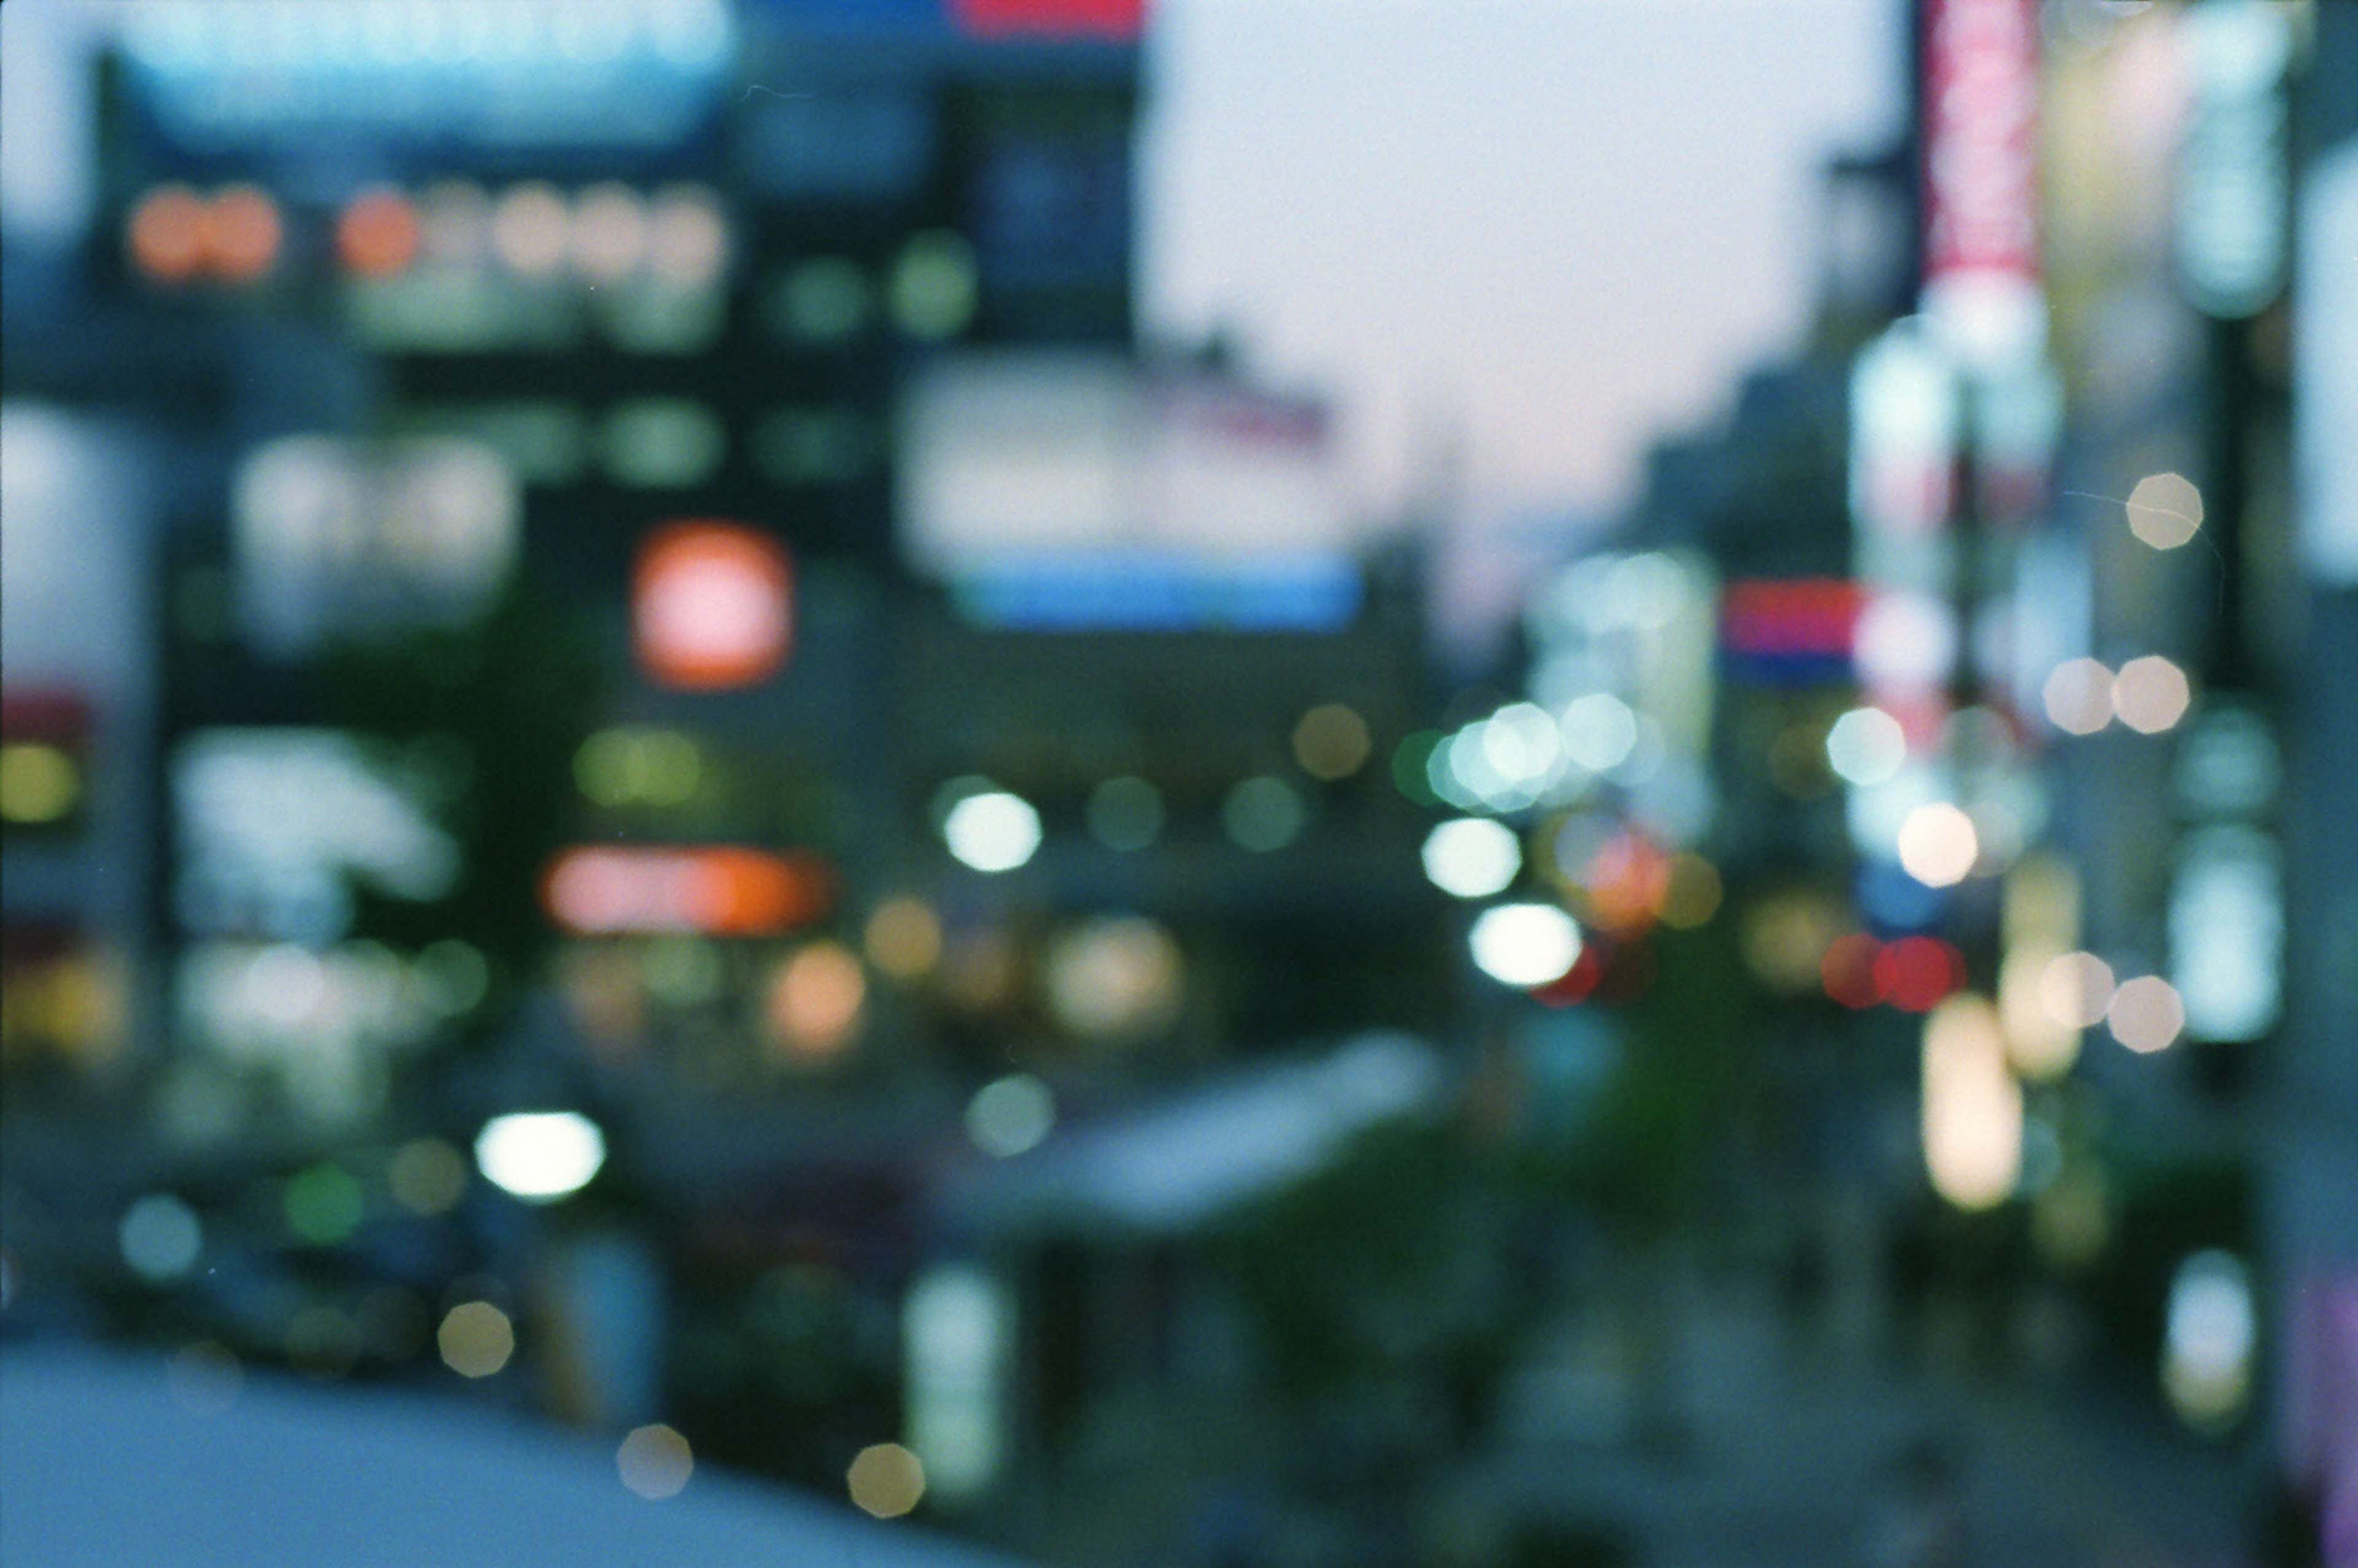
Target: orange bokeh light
377 234
721 890
166 233
242 232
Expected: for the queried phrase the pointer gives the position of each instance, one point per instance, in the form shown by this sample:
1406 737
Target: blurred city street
1205 783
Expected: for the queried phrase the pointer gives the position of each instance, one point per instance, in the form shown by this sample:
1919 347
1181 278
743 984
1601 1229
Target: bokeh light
655 1461
2207 1343
1264 814
1914 973
160 1236
324 1204
1865 746
903 937
1694 893
991 831
2075 990
1472 856
242 232
933 289
886 1480
378 234
540 1156
2078 696
815 1000
167 236
1599 732
2151 694
609 234
1011 1116
1938 845
687 237
427 1177
1524 945
39 782
530 228
2146 1014
1849 971
1125 812
2040 1045
1331 741
476 1339
1971 1106
1113 977
2164 511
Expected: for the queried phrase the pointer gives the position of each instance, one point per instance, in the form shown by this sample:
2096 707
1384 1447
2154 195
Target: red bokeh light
1915 972
1851 971
711 606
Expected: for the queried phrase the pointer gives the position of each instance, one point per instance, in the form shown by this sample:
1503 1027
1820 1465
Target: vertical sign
1981 178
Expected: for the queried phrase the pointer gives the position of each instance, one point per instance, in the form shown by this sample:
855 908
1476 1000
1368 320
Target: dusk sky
1563 226
1558 228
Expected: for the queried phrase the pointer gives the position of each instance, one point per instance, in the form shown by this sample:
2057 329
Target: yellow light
39 782
1331 742
886 1480
1972 1105
2164 511
1694 893
655 1461
2146 1014
2151 694
904 937
2040 1045
1938 845
1114 977
475 1339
